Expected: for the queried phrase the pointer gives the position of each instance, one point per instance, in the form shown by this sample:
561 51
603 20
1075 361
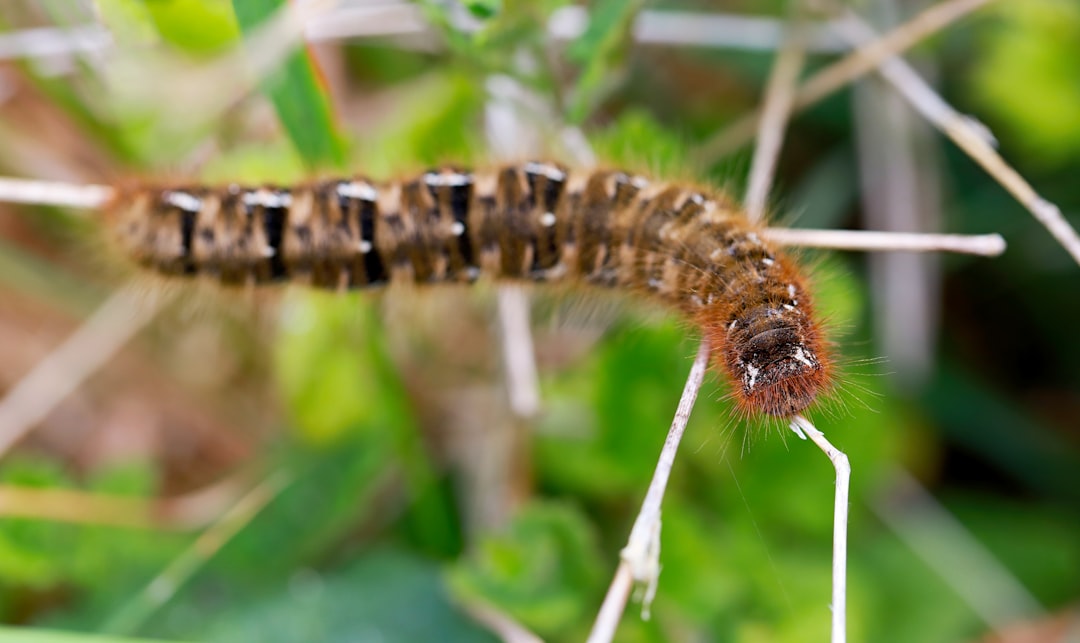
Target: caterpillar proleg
536 221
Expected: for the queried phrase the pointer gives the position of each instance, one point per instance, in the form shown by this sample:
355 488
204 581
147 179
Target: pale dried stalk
407 23
779 95
987 245
843 72
56 193
522 380
56 376
611 610
189 511
499 623
969 135
804 428
46 42
641 556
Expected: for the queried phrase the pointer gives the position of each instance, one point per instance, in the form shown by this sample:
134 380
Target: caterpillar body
534 221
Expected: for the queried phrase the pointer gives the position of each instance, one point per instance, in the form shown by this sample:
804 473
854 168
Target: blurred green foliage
369 540
1033 58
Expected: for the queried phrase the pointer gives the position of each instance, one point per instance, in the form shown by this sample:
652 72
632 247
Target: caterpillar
537 221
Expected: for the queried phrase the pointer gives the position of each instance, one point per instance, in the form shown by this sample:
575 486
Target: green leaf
387 595
544 569
331 369
483 9
299 95
438 118
195 26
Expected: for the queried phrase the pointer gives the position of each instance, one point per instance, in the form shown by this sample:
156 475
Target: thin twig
779 94
407 20
611 610
804 428
61 372
987 245
843 72
43 42
641 556
165 585
190 511
658 27
522 380
499 622
68 195
969 135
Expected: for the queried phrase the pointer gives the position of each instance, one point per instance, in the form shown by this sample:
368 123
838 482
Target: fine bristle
690 248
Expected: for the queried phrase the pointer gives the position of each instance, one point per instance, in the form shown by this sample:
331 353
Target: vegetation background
300 466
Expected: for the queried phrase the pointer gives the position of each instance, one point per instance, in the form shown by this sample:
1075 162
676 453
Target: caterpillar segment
535 221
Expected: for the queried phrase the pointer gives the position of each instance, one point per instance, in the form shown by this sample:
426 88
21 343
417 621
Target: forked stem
641 556
805 429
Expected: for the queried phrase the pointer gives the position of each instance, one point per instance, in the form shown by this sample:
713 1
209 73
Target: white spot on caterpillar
711 212
457 228
791 291
753 238
267 199
357 190
788 307
365 247
543 169
184 201
768 261
752 372
558 271
452 179
639 182
800 356
278 200
547 219
732 325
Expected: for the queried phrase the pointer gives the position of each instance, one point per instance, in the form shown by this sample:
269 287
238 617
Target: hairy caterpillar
536 221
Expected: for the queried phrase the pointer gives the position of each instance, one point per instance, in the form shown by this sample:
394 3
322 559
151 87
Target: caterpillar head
771 348
780 373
